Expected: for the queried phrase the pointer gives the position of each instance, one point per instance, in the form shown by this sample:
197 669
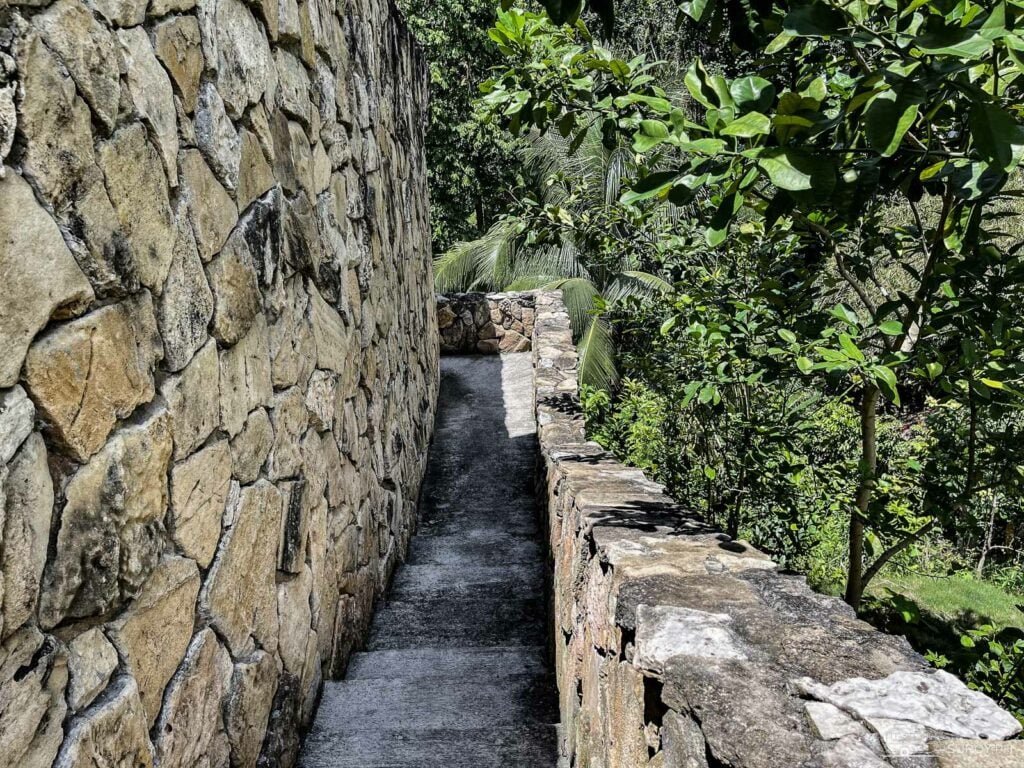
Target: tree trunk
866 486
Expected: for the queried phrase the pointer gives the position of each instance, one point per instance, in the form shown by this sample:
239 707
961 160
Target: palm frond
597 355
579 296
635 283
483 264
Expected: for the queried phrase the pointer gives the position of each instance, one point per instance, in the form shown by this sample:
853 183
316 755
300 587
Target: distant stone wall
218 366
677 647
487 323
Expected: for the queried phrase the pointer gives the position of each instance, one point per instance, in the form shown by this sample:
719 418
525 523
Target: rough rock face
485 323
217 343
677 646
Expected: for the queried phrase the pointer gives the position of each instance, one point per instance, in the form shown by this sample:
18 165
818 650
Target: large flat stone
41 278
113 732
33 676
199 491
87 374
193 400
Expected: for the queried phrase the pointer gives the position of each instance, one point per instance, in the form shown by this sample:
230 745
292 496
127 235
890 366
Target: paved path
454 674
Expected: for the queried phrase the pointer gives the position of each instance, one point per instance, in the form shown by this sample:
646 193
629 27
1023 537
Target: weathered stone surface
112 733
293 607
253 684
92 661
245 377
33 676
191 730
298 497
290 420
178 47
210 208
26 532
122 13
292 347
138 190
153 633
931 699
193 400
830 722
332 338
321 398
255 175
293 82
216 136
966 753
163 7
236 290
199 490
108 539
240 596
17 415
184 308
87 374
664 632
151 92
41 278
89 53
250 448
236 50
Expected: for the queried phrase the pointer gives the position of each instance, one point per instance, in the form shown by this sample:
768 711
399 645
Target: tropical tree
570 234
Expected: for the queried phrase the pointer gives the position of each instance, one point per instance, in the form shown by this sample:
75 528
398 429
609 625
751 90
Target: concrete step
350 706
479 546
465 664
451 621
511 517
509 747
418 582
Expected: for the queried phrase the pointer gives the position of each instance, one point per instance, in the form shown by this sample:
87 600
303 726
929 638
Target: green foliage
844 111
472 168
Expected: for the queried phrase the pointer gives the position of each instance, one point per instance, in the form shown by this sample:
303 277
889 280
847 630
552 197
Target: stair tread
447 663
534 746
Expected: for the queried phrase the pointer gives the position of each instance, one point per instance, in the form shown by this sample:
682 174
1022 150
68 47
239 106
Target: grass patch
960 600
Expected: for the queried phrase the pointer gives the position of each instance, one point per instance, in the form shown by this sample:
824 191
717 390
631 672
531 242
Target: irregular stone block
294 527
190 730
236 51
293 86
216 136
92 660
153 633
290 420
41 278
163 7
247 711
321 398
178 46
33 676
26 532
210 208
255 176
293 607
965 753
88 52
112 733
17 414
236 290
193 400
245 377
184 309
122 13
151 92
137 186
249 450
108 539
292 347
199 490
240 596
333 340
87 374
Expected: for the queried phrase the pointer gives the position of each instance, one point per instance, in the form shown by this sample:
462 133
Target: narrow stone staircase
454 674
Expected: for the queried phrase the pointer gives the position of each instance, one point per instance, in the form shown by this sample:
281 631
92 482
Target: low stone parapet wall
485 323
678 647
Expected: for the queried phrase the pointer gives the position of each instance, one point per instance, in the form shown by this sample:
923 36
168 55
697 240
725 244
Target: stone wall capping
676 645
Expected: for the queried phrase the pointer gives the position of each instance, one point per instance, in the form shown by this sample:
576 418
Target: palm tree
576 184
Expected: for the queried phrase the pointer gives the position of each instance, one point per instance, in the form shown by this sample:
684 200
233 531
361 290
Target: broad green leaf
997 136
787 335
887 120
891 327
842 312
793 170
694 8
885 379
813 20
752 92
650 186
804 364
751 124
699 85
850 347
955 41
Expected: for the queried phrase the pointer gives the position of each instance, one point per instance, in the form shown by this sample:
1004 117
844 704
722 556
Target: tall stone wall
485 323
677 647
218 366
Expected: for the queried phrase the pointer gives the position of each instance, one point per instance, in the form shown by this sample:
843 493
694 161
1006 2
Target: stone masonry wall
485 323
676 647
218 366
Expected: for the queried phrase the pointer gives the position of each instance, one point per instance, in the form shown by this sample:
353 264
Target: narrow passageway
454 672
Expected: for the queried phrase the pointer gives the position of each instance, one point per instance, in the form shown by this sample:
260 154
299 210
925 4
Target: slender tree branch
895 549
